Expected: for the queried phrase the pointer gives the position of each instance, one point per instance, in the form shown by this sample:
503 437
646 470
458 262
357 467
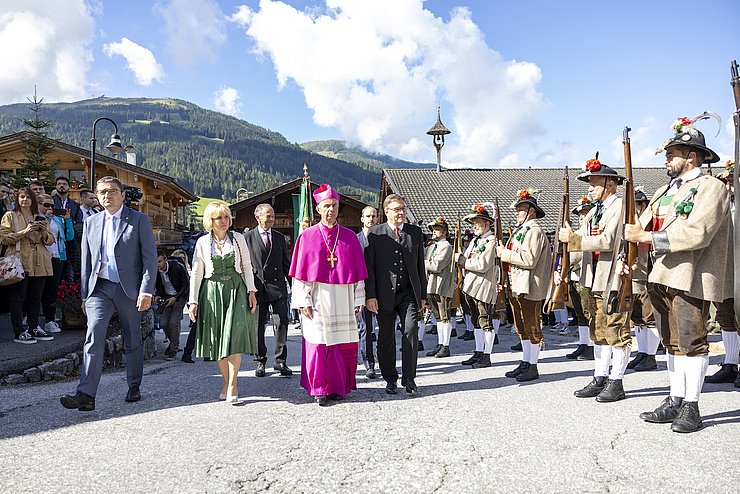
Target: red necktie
396 232
268 245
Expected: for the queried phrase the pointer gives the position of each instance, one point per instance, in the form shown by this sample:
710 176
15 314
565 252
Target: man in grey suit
119 269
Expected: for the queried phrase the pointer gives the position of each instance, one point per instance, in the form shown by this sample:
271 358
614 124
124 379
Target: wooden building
163 199
283 200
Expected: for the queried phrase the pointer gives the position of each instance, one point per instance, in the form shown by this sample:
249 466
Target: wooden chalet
163 199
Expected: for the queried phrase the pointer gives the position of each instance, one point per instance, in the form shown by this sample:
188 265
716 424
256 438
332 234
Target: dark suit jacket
178 277
270 268
74 208
380 255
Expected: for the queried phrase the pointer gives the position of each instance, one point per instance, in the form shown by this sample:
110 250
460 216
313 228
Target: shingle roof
430 194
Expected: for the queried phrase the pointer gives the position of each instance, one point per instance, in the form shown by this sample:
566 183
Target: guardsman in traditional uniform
528 259
438 262
690 229
596 239
643 320
480 283
580 295
726 319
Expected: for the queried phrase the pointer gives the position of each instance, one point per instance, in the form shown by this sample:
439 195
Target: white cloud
46 44
140 60
226 100
375 71
193 29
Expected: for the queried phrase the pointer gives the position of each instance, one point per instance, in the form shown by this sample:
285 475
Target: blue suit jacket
136 253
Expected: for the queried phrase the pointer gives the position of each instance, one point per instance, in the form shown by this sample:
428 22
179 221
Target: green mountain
369 161
208 152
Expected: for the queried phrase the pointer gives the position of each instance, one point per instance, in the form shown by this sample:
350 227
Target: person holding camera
26 234
62 231
171 291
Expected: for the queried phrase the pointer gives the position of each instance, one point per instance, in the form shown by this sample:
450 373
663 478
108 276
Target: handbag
11 267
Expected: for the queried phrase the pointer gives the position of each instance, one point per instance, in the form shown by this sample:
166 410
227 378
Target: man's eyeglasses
105 192
397 210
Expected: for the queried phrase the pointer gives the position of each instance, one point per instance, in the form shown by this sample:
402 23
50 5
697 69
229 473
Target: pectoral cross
332 259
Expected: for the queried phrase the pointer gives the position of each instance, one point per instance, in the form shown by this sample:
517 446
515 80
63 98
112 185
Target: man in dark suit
396 286
63 201
119 266
172 293
270 265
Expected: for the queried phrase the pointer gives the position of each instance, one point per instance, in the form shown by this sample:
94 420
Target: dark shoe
453 334
133 394
370 373
587 354
322 401
483 361
391 388
495 340
80 401
737 381
577 352
462 336
187 358
260 370
688 419
529 374
434 351
647 364
473 359
283 369
613 391
468 336
170 355
593 388
411 386
420 348
661 349
431 330
638 358
445 352
517 347
726 374
518 370
665 413
403 381
336 397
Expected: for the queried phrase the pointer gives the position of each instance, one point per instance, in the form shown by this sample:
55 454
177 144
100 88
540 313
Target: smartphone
40 217
59 211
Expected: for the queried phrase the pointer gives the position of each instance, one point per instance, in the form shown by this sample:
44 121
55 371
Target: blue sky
528 83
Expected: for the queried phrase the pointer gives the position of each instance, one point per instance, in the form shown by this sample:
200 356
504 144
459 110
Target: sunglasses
47 205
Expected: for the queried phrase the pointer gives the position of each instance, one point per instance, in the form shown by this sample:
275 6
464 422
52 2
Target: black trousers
406 308
279 308
26 293
51 287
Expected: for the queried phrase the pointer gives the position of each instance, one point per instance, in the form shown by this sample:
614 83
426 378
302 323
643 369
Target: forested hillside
371 161
208 152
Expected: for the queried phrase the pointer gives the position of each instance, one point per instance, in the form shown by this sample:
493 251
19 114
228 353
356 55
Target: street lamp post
438 133
114 146
241 191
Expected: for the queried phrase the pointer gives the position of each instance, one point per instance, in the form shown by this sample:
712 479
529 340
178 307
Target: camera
40 217
131 194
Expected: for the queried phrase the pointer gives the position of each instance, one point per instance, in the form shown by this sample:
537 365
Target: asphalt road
466 431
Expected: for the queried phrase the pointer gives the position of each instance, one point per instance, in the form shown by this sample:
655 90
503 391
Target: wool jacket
530 259
481 274
35 257
203 264
437 262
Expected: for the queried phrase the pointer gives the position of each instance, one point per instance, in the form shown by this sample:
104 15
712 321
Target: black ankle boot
638 358
588 354
727 374
665 413
529 374
517 347
473 359
443 352
483 361
578 351
646 364
468 336
592 389
521 368
434 351
688 419
613 391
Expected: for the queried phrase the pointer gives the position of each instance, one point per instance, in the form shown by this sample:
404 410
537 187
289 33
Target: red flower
523 194
729 165
593 165
440 220
684 120
478 208
585 200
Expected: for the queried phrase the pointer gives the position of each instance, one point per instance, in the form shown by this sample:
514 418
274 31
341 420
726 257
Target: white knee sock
695 368
640 335
534 352
468 323
441 331
602 363
526 350
448 333
421 329
653 340
732 346
583 335
489 336
496 323
675 375
621 357
480 340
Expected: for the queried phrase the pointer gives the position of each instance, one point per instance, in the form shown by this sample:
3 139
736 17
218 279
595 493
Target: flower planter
71 320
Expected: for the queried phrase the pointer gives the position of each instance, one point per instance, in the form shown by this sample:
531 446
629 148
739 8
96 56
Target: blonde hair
44 196
213 210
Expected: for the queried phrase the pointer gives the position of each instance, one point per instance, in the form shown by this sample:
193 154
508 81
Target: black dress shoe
688 419
260 370
519 369
133 394
187 358
592 389
445 352
391 388
483 361
434 351
517 347
420 348
588 354
468 336
665 413
80 401
283 369
529 374
453 333
726 374
336 397
370 373
322 401
638 358
578 351
462 336
473 358
411 386
648 363
613 391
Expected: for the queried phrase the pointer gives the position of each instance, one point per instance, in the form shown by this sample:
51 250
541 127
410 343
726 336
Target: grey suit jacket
136 253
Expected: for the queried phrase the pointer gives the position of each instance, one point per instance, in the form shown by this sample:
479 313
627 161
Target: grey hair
261 208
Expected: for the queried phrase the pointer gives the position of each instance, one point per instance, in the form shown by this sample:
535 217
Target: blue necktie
110 245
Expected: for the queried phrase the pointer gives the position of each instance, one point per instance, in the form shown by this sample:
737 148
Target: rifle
557 294
735 83
503 297
622 301
455 269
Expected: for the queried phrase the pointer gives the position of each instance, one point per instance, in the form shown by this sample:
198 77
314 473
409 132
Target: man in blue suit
119 269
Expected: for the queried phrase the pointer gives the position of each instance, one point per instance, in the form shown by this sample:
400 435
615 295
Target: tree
35 164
